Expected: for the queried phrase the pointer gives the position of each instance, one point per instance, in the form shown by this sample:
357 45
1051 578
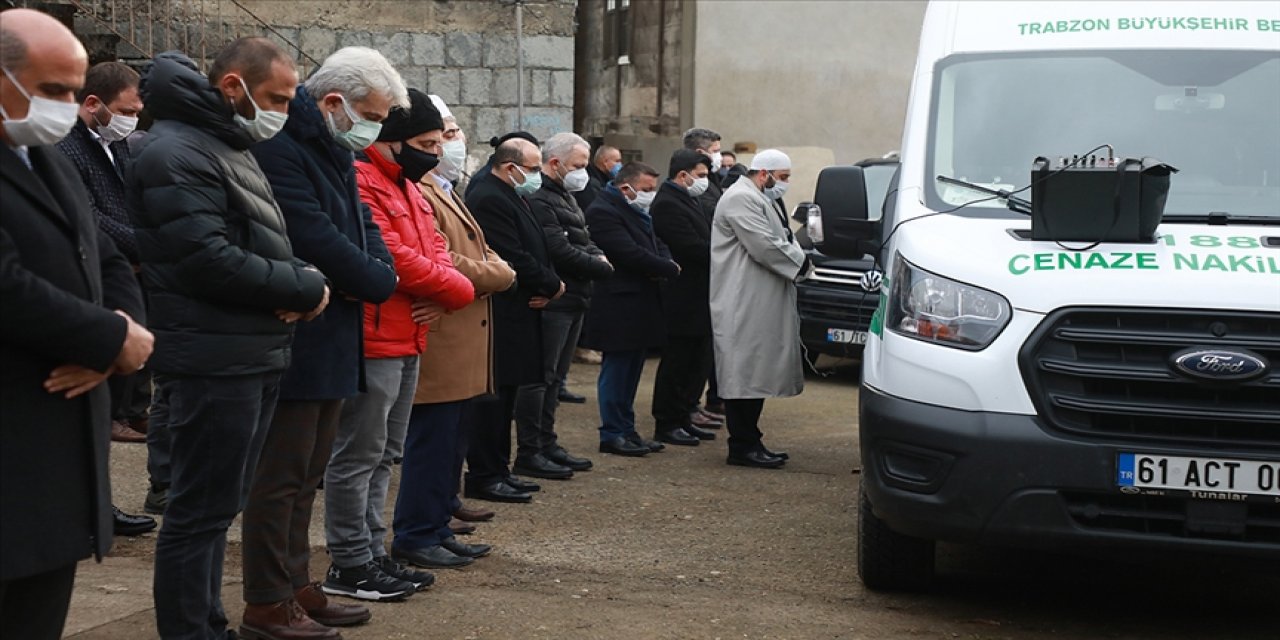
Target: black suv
835 309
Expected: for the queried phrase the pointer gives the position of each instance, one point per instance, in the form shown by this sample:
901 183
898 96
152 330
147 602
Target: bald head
42 56
515 159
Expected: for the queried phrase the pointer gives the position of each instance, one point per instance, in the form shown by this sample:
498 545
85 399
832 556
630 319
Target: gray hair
13 51
695 139
357 72
561 145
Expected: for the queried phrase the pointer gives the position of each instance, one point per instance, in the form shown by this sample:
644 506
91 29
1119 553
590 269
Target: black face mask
415 163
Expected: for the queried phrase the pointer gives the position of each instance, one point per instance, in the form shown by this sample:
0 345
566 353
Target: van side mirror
845 230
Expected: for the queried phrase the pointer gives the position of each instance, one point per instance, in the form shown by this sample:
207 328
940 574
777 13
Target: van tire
888 560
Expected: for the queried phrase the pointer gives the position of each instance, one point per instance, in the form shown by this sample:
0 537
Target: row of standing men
292 289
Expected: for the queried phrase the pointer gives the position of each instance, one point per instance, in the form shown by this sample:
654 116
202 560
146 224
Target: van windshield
1215 115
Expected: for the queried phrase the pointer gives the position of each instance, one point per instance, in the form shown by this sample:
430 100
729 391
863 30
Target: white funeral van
1058 394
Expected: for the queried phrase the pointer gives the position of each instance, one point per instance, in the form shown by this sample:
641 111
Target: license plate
846 336
1203 477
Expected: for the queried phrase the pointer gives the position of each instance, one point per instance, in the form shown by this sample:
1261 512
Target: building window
617 31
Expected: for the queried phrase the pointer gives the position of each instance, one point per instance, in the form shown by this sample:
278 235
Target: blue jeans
616 387
427 490
217 426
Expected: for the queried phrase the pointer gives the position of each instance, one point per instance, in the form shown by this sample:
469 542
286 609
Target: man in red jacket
373 425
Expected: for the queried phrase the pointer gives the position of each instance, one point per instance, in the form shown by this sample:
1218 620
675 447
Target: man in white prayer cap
453 152
755 263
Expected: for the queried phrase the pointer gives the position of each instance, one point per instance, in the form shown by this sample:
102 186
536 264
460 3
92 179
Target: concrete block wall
463 50
471 65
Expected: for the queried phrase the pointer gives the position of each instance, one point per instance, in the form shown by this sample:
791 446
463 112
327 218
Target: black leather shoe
776 454
127 525
757 459
498 492
435 556
622 447
678 436
561 457
700 433
520 484
570 397
538 466
653 445
466 550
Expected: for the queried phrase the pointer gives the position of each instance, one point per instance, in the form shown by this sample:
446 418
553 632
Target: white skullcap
770 160
440 106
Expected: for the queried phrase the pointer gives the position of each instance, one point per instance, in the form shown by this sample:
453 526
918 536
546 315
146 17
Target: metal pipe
519 65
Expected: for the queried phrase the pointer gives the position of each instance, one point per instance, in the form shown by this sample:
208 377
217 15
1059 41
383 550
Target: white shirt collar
440 180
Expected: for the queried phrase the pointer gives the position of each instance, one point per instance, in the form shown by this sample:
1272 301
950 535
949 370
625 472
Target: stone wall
462 50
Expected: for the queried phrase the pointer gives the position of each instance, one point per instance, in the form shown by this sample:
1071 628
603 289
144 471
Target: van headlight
929 307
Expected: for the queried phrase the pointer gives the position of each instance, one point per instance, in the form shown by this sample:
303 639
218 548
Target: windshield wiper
1219 218
1014 203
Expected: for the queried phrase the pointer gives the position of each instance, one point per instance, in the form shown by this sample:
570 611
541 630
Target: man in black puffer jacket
578 261
224 289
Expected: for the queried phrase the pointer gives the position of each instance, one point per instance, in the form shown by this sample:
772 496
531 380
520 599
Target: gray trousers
370 437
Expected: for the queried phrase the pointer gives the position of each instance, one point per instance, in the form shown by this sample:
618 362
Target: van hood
1189 265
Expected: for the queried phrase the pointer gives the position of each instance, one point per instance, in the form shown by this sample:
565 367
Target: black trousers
742 419
466 422
489 449
35 607
685 365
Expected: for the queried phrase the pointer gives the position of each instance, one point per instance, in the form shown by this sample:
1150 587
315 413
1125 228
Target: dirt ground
680 546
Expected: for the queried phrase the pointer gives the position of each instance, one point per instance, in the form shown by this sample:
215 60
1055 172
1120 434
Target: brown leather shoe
460 528
120 432
704 421
473 514
327 612
283 621
140 425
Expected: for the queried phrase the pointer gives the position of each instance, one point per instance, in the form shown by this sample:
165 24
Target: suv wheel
888 560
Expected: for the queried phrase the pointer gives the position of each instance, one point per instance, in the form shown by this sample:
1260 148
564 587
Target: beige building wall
825 80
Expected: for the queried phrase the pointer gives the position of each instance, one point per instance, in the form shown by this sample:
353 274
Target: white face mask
778 189
716 159
453 156
47 121
118 128
265 124
576 180
699 186
643 200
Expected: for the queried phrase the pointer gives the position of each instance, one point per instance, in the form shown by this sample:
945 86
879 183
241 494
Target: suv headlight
929 307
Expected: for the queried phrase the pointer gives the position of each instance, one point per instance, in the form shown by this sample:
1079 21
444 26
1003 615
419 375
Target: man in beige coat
456 367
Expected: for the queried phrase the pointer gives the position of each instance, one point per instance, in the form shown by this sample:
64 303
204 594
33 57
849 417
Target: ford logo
1220 365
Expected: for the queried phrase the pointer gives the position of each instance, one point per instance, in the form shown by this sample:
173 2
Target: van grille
842 306
1106 372
1167 516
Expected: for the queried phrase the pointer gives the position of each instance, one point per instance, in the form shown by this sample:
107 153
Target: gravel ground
678 545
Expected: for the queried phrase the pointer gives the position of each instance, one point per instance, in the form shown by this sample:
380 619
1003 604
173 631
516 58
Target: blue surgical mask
361 134
613 171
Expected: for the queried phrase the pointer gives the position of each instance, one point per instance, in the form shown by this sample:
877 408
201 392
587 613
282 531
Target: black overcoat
626 310
314 182
684 226
60 279
511 230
